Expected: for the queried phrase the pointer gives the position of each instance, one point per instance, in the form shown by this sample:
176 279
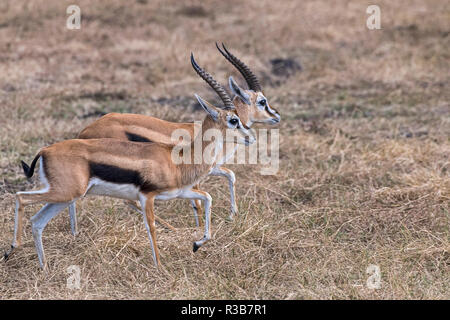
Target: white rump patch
43 180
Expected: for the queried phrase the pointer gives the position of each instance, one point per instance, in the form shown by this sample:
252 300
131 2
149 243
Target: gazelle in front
72 169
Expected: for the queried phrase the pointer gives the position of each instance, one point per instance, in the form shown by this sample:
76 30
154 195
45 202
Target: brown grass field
364 147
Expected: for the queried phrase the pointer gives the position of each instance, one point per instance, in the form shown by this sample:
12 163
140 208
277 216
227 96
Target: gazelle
251 106
135 171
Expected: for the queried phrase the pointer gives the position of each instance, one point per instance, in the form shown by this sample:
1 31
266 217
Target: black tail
29 171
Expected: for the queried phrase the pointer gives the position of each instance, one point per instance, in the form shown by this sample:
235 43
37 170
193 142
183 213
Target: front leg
132 204
224 172
197 207
147 203
201 195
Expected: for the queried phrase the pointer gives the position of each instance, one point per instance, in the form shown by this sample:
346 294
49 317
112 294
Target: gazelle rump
251 106
135 171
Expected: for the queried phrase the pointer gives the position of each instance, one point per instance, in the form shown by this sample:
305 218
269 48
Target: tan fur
250 113
69 163
66 168
115 125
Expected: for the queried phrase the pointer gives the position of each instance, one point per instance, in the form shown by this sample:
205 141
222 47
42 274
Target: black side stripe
136 137
119 175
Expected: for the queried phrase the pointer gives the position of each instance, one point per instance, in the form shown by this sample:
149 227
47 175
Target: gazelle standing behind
251 106
135 171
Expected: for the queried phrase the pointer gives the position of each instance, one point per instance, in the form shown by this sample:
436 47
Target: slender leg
38 223
201 195
22 199
73 217
197 207
224 172
133 205
147 204
18 224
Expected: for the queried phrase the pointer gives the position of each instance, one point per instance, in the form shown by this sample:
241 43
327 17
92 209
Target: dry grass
365 147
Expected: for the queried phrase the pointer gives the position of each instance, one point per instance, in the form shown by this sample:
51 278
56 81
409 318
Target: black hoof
8 253
195 248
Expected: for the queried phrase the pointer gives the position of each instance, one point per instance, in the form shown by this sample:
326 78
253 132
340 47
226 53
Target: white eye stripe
260 98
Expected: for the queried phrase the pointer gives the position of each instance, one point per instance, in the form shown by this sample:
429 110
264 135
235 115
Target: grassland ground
364 147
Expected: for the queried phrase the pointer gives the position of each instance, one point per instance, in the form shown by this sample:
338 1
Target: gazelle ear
238 91
212 111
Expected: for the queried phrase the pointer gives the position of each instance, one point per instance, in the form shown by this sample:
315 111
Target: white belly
114 190
172 194
167 195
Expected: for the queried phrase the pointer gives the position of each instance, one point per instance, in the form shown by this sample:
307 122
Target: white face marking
115 190
268 109
259 99
241 129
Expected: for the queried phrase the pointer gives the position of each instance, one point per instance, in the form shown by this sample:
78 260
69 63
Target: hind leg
18 225
22 199
73 218
30 197
38 223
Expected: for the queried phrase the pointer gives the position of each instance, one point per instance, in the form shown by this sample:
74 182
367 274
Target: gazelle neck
242 109
200 161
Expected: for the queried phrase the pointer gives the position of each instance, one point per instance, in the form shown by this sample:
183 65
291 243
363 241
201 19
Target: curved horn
213 83
251 79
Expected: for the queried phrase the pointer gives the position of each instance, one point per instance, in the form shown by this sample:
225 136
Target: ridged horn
213 83
248 75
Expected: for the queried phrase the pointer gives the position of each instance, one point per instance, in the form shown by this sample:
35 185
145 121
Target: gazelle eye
263 102
234 121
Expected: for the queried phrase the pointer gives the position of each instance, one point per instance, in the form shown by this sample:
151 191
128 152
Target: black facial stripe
271 111
119 175
136 137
